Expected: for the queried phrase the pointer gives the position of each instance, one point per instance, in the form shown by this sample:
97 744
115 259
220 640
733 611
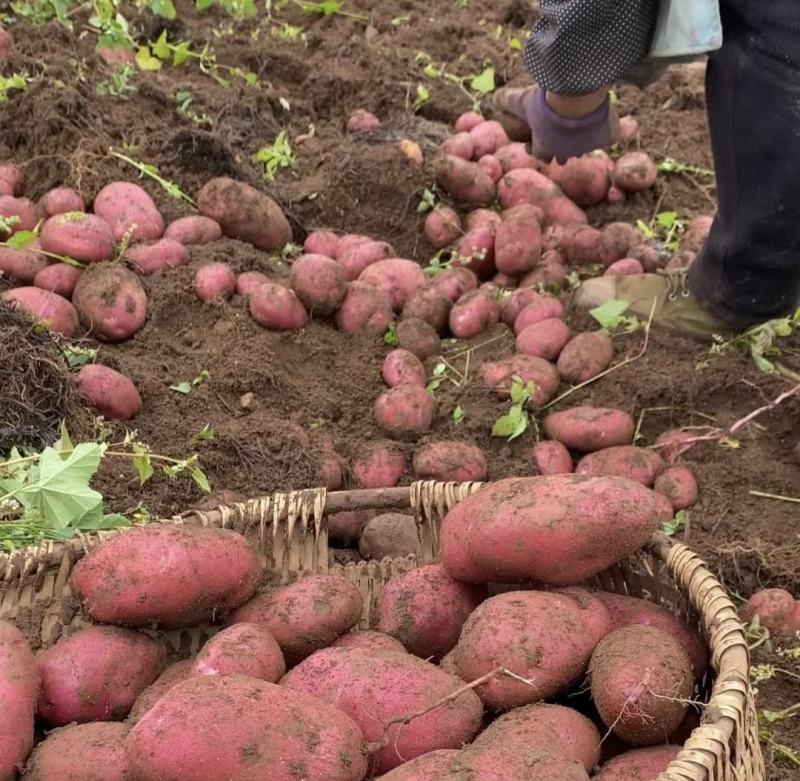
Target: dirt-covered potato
111 302
389 535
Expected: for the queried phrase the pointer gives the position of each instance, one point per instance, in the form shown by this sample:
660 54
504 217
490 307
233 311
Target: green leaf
517 391
515 44
182 387
484 83
459 415
161 47
608 315
202 5
146 61
666 219
100 522
22 239
431 71
206 434
63 445
521 427
390 337
180 54
163 8
142 465
199 476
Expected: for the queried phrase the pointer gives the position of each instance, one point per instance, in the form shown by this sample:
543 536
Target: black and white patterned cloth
579 46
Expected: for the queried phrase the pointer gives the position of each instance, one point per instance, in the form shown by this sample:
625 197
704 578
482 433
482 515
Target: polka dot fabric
579 46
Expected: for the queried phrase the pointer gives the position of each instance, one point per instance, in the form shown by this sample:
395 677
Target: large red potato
22 265
405 411
402 367
276 308
545 339
108 391
585 180
42 306
418 337
589 428
499 375
172 676
242 649
487 137
525 185
429 305
365 307
84 237
130 211
59 201
455 282
214 281
585 356
518 241
354 256
248 281
442 226
636 463
159 255
450 461
634 171
323 242
111 302
193 229
319 282
464 180
398 278
639 764
475 250
552 458
378 464
58 278
473 313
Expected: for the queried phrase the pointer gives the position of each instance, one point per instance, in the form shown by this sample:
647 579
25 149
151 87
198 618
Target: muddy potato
389 535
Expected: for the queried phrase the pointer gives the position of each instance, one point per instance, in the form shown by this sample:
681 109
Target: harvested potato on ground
677 483
373 687
545 308
641 680
402 367
12 179
365 307
108 391
525 185
368 640
319 282
549 275
585 356
590 428
546 528
322 243
172 676
276 308
640 764
398 278
450 461
473 313
248 281
418 337
214 280
487 137
432 766
514 303
490 760
635 463
202 573
242 649
459 145
467 121
634 171
773 606
84 237
455 282
378 464
111 302
59 201
243 729
545 339
584 180
475 251
442 226
518 241
671 444
516 155
464 180
81 752
405 411
545 638
624 267
193 229
42 306
130 212
425 610
158 255
390 535
244 213
22 212
306 615
499 375
346 527
552 458
355 256
491 166
362 121
429 305
621 238
96 674
22 265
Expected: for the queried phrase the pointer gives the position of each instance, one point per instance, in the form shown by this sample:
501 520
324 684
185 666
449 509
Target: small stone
248 401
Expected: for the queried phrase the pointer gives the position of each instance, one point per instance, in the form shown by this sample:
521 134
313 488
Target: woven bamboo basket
289 530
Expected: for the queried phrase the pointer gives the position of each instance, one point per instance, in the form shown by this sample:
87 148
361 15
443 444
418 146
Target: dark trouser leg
749 271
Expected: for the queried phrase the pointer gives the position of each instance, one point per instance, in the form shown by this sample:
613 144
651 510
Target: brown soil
318 382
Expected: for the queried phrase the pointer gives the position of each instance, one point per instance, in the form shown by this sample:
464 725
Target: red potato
306 615
442 226
582 245
634 171
130 211
405 411
374 687
330 472
322 243
585 356
111 302
792 626
378 464
22 210
635 463
464 180
641 681
467 121
450 461
475 250
473 314
433 766
491 166
158 255
243 729
214 280
202 573
460 145
640 764
584 180
677 483
365 307
60 201
630 611
42 306
22 265
478 218
628 130
193 229
19 685
172 676
512 156
277 308
561 730
368 640
773 606
491 760
552 458
518 241
545 308
615 195
12 179
455 282
390 535
398 278
548 276
559 529
429 305
244 213
516 302
418 337
545 339
621 238
402 367
545 638
498 375
672 443
96 674
108 391
525 185
58 278
696 233
354 258
590 428
319 282
652 255
248 281
560 210
623 267
362 121
488 137
504 281
242 649
425 609
81 752
681 261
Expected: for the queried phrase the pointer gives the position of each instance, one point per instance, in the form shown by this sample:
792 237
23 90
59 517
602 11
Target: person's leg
749 270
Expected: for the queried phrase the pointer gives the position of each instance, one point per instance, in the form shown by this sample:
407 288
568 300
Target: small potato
464 180
354 258
634 171
405 411
321 243
402 367
516 302
455 282
378 464
475 250
473 313
624 267
487 138
450 461
773 606
512 156
58 278
111 302
22 265
425 610
442 226
672 443
365 307
467 121
319 282
390 535
498 375
108 391
331 465
362 121
172 676
460 145
549 276
582 245
622 237
545 338
159 255
242 649
42 306
346 527
628 128
491 166
429 305
584 180
543 308
276 308
128 209
193 229
518 241
635 463
398 278
677 483
60 201
22 210
639 764
585 356
524 185
368 640
214 280
418 337
590 428
552 458
248 281
12 179
615 195
306 615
